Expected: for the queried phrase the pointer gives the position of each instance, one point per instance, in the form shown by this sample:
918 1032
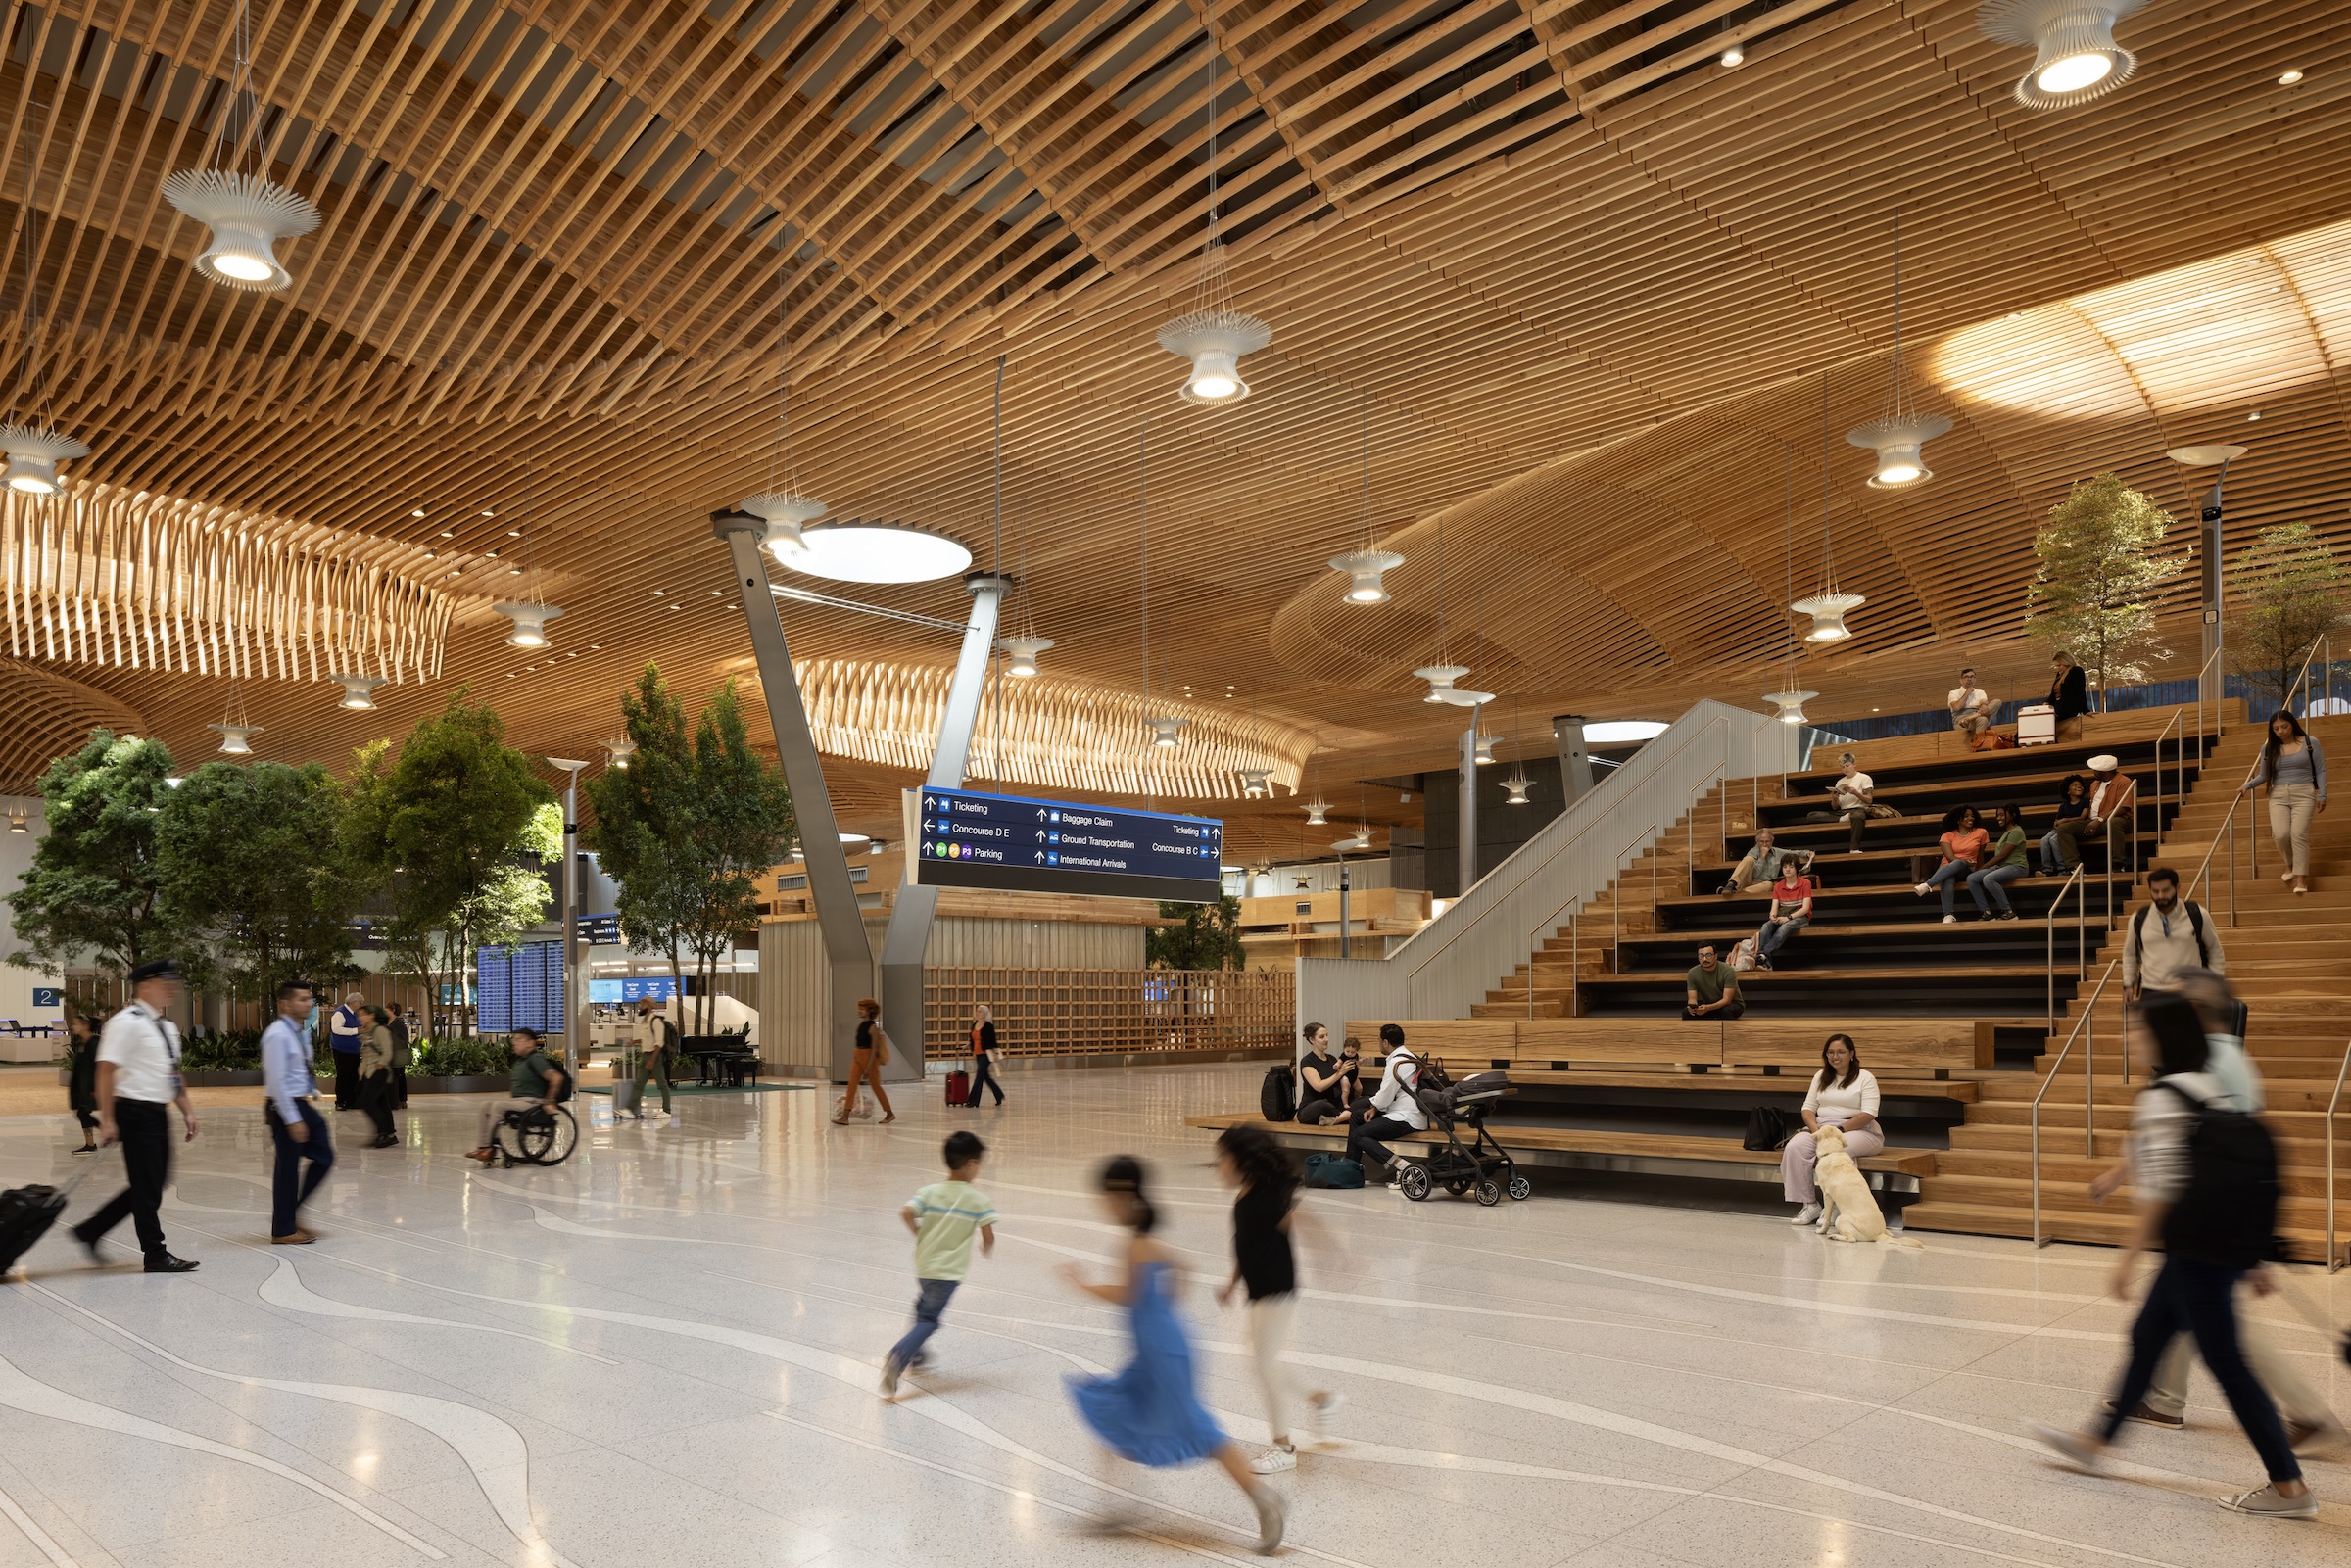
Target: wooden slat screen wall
1091 1012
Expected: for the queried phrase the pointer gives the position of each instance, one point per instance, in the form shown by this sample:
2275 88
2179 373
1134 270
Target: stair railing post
2089 1087
1575 965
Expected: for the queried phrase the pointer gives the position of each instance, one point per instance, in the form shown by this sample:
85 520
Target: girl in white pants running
1262 1262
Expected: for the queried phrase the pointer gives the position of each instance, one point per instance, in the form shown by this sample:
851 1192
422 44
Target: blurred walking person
984 1055
138 1083
296 1127
81 1076
375 1077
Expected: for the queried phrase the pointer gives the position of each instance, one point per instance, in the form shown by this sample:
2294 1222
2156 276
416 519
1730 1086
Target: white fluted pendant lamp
786 512
236 739
2074 58
1897 441
1257 784
1318 811
530 623
1214 341
1827 612
34 453
1366 567
247 215
1164 733
359 691
1516 785
1021 653
1789 705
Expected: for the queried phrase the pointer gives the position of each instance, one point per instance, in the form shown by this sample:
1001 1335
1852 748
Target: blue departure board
962 838
519 988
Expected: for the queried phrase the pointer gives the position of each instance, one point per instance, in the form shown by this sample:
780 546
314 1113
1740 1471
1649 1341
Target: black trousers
145 1128
2200 1299
400 1088
289 1186
1364 1138
981 1079
347 1080
1731 1011
375 1095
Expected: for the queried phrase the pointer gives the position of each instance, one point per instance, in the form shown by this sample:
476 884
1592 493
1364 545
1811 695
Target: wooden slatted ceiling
555 232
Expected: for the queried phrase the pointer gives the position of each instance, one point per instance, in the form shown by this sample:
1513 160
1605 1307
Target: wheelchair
538 1136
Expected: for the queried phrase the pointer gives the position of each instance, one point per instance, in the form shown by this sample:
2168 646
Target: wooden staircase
2284 958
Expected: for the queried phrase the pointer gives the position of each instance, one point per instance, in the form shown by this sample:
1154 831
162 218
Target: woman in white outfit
2294 769
1844 1096
1263 1263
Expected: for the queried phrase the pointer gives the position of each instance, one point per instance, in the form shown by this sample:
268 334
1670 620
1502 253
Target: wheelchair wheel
539 1137
1489 1193
1520 1189
1414 1182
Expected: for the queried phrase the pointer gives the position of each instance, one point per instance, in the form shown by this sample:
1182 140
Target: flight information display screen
519 988
962 838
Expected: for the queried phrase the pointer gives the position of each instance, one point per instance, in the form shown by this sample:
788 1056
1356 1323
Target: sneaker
1270 1519
1922 889
1727 890
2148 1415
1951 919
2005 914
2310 1442
1806 1215
1318 1414
2266 1501
2071 1447
890 1379
1275 1459
1762 961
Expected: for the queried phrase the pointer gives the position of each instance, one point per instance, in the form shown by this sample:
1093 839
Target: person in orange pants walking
873 1053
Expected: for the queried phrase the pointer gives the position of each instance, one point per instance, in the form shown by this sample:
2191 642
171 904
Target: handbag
881 1048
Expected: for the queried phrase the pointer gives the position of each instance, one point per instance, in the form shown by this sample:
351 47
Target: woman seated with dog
1333 1083
1844 1096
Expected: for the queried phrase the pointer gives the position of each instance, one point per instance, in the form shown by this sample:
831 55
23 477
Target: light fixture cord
782 451
1369 544
1899 379
1213 293
28 360
1787 543
1142 526
1828 535
995 654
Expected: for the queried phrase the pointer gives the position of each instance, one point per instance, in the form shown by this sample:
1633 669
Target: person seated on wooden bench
1852 792
1332 1085
1712 987
1844 1096
1791 912
1761 867
2110 795
1394 1109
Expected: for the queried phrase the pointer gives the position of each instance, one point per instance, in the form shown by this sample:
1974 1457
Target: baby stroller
1482 1164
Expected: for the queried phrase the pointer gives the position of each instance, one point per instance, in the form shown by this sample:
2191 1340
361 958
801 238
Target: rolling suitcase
959 1088
27 1213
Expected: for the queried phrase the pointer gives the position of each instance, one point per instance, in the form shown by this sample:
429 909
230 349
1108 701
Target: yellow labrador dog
1847 1212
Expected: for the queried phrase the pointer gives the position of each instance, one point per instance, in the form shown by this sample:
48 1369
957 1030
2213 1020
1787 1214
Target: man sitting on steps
1761 866
2110 796
1714 988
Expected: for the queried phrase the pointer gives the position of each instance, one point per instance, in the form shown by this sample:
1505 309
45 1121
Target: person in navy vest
345 1030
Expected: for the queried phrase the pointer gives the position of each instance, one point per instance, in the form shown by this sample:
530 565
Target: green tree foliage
2289 593
95 892
1207 936
251 874
448 833
688 828
2095 595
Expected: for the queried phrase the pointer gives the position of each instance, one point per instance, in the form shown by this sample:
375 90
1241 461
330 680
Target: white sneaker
1922 889
1275 1459
1318 1414
1270 1521
1951 919
890 1380
2268 1502
1810 1215
2069 1447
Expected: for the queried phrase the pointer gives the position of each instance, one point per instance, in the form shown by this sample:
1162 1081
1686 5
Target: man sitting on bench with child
1395 1109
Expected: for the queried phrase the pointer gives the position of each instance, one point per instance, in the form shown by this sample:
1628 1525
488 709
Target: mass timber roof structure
1585 288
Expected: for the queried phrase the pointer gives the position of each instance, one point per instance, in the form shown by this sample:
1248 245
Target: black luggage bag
27 1213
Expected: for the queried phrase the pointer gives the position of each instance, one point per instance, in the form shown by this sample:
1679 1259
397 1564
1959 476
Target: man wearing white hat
2110 794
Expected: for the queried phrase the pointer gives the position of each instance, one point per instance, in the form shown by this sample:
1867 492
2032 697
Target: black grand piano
729 1060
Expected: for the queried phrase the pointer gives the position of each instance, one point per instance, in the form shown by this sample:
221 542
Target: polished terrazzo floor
665 1351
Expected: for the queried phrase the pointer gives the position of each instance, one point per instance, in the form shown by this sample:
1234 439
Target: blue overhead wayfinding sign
964 839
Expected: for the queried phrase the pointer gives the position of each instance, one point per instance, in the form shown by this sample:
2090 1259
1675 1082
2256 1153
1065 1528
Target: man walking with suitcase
138 1081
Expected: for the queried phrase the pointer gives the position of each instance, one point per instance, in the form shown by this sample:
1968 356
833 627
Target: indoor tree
2289 593
451 832
743 826
95 892
640 816
2099 578
251 875
1196 936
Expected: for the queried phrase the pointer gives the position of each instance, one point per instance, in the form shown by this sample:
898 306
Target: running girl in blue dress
1149 1412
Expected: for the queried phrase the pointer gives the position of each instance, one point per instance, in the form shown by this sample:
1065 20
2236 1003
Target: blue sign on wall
599 930
966 839
48 996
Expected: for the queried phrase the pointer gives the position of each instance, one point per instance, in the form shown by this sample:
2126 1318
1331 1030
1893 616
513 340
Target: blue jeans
1989 887
930 1302
1948 878
2200 1298
1774 932
290 1187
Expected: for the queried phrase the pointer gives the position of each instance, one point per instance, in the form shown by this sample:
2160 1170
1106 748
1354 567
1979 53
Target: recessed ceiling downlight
876 553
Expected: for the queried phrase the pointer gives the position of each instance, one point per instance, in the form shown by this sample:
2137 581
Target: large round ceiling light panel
876 553
2075 59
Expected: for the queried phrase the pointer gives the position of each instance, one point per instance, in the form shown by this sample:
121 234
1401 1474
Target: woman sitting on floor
1844 1096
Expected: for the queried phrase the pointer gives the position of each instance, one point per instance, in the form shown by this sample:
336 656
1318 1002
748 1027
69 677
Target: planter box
216 1079
471 1085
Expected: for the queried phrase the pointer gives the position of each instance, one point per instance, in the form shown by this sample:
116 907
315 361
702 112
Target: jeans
145 1130
2293 807
2200 1299
2296 1400
1727 1012
1364 1139
982 1078
1989 887
1947 878
1772 933
1800 1155
286 1195
929 1301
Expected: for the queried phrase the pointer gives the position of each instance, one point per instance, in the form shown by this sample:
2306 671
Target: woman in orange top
1964 845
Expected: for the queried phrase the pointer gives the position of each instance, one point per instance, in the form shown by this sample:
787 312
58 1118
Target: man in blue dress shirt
295 1125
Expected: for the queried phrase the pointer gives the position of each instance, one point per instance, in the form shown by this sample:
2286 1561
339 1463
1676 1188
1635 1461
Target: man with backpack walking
2205 1180
2168 937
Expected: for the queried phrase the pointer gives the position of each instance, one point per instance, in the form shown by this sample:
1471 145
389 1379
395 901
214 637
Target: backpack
1332 1171
1275 1101
2227 1215
1766 1129
2195 923
1743 957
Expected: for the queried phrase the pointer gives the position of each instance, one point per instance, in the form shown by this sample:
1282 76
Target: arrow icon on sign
1040 857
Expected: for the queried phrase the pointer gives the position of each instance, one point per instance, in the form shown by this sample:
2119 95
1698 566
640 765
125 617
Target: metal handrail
2089 1091
1616 910
2221 834
2081 940
2334 1256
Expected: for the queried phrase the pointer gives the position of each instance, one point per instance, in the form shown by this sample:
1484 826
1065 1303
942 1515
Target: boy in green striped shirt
943 1217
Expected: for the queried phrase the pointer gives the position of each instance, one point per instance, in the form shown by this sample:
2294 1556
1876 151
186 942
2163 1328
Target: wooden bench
1931 1046
1646 1153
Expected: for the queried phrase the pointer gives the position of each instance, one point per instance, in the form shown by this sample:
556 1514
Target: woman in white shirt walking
1844 1096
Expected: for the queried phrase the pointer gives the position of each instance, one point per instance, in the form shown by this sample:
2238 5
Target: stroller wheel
1457 1187
1489 1193
1414 1183
1520 1189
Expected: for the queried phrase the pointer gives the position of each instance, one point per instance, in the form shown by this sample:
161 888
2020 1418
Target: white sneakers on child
1275 1459
1318 1413
1270 1521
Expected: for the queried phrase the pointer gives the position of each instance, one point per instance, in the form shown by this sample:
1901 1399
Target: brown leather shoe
2148 1415
298 1238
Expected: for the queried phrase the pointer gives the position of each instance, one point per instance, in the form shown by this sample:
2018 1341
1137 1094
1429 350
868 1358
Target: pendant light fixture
621 750
33 444
18 823
246 210
1213 335
1367 562
359 691
1164 733
235 731
1257 784
783 505
2074 58
1442 673
1021 654
1516 783
1830 605
1787 702
528 616
1317 810
1904 428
